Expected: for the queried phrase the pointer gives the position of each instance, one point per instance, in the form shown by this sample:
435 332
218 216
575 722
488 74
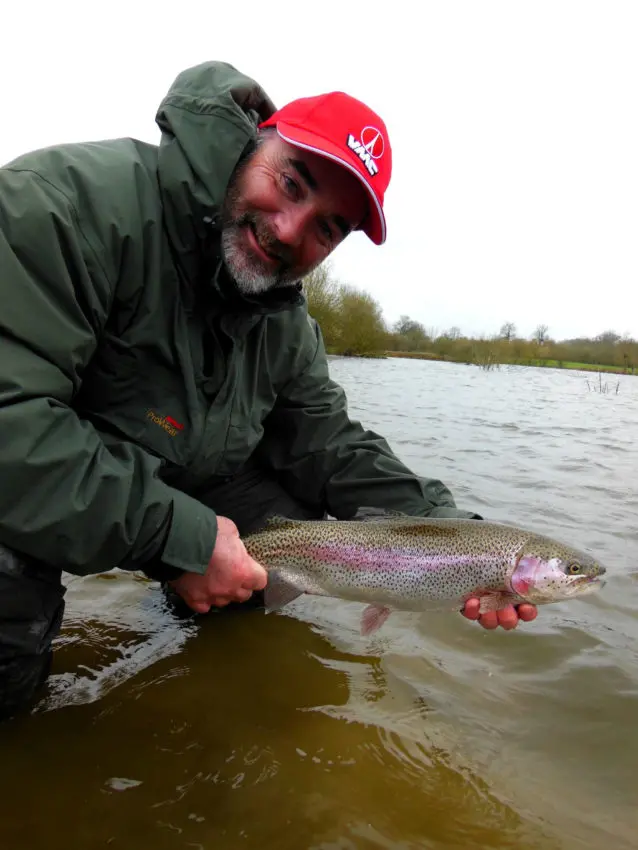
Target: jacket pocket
130 397
241 442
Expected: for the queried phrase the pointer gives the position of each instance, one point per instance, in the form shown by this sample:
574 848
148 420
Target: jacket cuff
158 571
191 537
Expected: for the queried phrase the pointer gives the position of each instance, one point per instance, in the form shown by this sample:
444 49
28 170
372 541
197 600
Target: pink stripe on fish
381 558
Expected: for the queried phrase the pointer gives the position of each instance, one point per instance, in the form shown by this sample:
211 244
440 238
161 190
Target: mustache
282 252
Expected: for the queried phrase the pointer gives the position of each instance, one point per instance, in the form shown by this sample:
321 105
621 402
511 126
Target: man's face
285 211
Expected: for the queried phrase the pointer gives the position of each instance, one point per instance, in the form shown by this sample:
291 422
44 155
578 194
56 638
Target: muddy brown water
293 731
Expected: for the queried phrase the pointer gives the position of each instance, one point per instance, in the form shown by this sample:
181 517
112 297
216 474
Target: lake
294 731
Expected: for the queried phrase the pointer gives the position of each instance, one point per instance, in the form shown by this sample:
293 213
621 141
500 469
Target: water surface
294 731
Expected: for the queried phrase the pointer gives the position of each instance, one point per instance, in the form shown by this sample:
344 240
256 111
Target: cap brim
375 225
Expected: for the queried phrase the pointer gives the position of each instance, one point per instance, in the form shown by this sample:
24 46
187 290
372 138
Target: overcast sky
514 130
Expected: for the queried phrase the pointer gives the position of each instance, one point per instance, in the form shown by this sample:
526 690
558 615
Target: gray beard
250 276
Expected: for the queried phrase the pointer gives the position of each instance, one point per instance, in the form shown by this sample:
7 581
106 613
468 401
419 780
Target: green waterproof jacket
131 372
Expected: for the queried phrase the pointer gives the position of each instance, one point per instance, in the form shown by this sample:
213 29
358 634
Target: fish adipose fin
495 600
278 592
373 618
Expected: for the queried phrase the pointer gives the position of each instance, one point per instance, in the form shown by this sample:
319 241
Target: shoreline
541 364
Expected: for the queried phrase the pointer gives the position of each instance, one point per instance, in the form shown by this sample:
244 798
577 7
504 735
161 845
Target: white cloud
513 126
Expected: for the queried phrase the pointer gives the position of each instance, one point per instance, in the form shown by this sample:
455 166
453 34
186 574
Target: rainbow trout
417 564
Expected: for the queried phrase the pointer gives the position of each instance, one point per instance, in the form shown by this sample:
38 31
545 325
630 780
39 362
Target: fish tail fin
279 592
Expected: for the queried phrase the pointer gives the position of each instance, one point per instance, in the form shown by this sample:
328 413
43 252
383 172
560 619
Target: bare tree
508 331
540 334
405 325
608 337
411 335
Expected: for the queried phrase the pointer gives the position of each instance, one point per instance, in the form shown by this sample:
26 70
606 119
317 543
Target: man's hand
507 618
232 575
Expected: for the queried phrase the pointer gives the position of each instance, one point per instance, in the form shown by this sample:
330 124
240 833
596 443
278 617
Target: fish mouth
592 582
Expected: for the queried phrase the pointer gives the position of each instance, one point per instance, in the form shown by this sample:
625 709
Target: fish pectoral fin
373 617
278 592
497 599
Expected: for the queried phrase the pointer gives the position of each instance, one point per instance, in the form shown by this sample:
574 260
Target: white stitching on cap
350 167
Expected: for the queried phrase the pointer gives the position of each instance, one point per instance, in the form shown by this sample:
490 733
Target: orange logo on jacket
170 425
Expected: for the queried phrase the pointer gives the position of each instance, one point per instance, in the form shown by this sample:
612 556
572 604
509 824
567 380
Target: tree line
352 324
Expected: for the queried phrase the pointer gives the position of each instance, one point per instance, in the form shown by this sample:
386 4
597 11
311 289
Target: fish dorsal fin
369 514
364 514
276 522
380 516
400 522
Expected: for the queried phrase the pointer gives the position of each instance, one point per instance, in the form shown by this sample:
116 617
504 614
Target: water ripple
537 448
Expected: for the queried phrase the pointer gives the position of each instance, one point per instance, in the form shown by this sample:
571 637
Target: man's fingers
489 620
471 610
242 595
199 607
220 601
255 576
507 617
527 612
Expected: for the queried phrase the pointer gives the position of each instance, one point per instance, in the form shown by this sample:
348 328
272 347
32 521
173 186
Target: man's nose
290 225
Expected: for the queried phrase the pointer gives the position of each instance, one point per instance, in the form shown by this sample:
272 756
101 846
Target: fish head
547 571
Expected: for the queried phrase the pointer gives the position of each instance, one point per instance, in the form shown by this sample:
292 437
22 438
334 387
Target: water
293 731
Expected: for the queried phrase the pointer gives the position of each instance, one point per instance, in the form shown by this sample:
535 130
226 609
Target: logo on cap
368 148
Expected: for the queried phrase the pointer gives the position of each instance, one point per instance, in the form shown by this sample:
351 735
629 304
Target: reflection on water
293 730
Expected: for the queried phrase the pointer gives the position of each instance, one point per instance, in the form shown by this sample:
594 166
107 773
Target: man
162 388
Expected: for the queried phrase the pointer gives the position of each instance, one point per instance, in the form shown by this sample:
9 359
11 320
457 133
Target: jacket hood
208 117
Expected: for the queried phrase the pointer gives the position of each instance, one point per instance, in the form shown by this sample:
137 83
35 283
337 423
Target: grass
545 363
417 355
585 367
602 388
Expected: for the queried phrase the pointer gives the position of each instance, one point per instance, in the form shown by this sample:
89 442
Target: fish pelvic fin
279 592
494 600
373 617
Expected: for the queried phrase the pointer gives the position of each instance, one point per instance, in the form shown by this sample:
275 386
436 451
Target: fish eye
573 569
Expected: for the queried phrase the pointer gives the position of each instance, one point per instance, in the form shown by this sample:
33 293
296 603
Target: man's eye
326 230
290 185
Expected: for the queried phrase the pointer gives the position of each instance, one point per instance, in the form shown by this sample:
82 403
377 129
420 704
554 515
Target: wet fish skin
417 564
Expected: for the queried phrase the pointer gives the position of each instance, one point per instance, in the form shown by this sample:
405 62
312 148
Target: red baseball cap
342 128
